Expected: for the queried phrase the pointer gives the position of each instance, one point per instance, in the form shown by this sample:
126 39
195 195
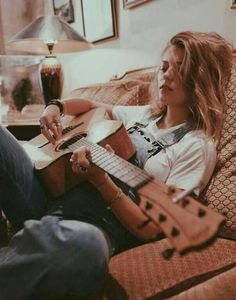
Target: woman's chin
163 100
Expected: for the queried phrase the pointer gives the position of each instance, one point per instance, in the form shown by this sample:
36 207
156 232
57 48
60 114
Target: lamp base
51 78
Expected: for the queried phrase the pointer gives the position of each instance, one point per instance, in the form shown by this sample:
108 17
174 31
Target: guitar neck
187 224
114 165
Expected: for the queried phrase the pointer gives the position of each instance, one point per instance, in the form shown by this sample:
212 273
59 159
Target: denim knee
56 258
83 257
76 262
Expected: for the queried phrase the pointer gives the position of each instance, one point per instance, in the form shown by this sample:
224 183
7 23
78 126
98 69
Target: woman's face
170 87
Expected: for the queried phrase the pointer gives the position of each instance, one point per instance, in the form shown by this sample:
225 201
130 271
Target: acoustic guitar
186 223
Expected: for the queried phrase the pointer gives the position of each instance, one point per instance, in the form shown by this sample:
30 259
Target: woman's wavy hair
205 72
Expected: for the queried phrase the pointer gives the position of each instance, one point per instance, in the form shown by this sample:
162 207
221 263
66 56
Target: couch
143 272
210 273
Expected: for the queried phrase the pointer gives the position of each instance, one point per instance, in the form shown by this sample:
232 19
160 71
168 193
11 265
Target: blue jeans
51 257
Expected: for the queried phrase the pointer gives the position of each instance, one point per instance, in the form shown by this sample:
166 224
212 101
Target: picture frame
99 20
233 4
132 3
64 9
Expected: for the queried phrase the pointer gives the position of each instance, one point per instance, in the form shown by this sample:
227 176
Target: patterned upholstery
212 288
126 92
144 74
221 193
142 272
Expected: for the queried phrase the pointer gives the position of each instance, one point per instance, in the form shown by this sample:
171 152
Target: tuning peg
201 212
167 253
148 205
171 189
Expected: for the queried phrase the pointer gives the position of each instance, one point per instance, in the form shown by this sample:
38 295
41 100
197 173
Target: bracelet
58 103
117 197
102 183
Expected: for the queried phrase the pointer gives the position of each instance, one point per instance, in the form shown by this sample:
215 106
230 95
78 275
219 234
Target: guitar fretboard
111 163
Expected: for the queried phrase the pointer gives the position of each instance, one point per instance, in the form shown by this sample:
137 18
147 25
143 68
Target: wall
145 29
143 32
16 14
150 25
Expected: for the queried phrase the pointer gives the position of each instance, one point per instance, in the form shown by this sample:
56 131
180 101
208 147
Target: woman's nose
169 73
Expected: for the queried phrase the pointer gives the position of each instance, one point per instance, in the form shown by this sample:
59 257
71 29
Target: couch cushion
144 74
125 92
221 193
217 288
148 274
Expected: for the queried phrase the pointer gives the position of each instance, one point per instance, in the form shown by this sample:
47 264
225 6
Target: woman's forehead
173 55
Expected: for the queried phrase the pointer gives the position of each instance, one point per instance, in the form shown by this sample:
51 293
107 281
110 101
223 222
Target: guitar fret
122 172
127 177
104 164
119 167
112 166
137 182
98 157
108 167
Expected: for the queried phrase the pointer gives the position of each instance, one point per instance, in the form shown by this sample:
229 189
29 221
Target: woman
67 251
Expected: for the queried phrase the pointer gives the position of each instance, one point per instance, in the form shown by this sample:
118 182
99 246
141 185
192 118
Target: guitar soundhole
65 144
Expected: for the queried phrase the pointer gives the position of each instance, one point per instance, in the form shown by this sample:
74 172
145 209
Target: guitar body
52 161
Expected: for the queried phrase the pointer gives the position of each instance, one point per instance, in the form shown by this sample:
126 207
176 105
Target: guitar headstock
187 223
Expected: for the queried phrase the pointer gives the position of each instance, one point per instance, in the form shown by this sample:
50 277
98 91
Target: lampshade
44 30
48 35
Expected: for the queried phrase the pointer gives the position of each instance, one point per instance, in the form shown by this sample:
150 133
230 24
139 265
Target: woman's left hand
82 164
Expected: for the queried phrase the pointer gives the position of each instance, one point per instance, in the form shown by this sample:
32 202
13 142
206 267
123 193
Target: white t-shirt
185 164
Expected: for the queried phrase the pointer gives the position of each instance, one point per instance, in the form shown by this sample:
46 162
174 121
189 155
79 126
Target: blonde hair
205 72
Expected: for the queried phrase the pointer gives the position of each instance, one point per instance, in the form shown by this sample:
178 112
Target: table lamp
48 35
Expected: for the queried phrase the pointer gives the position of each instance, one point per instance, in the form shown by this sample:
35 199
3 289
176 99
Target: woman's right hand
50 123
81 161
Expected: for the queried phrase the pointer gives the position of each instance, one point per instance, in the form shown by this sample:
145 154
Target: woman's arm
74 106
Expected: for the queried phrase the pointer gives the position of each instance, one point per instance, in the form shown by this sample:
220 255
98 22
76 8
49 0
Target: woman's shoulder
199 135
198 140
